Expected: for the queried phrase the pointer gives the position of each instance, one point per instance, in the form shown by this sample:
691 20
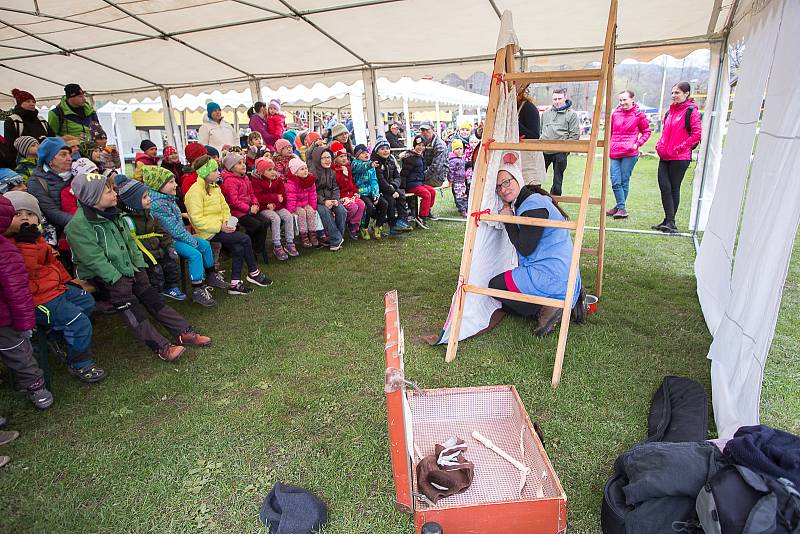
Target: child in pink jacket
301 199
276 121
239 194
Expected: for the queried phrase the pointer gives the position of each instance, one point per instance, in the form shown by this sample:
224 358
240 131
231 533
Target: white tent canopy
135 49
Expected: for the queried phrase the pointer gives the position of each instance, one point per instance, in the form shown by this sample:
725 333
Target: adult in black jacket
25 120
395 136
533 169
390 186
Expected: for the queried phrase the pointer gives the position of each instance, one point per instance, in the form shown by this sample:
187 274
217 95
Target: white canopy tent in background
152 48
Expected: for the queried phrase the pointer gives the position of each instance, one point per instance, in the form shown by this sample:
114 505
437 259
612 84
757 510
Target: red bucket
591 304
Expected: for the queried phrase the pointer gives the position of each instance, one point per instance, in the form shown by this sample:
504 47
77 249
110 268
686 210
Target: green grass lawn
293 388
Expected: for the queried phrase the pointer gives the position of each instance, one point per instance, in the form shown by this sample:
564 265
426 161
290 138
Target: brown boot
546 321
170 353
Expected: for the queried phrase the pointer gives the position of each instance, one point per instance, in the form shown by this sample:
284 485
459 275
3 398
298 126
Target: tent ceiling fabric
133 48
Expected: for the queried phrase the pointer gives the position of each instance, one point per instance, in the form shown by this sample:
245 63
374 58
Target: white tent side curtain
130 48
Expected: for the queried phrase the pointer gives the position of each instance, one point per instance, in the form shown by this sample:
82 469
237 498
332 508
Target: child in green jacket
104 251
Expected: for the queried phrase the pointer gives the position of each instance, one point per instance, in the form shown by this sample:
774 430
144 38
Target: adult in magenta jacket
675 151
630 129
258 123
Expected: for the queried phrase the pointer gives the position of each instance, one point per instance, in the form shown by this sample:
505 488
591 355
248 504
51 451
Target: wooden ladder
504 73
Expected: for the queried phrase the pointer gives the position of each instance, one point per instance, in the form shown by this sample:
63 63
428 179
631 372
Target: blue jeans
200 258
334 221
69 314
621 170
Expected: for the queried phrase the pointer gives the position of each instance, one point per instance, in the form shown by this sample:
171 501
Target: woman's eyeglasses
505 184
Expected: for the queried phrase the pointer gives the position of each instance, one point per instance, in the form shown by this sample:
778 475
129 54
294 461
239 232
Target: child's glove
172 253
27 334
28 233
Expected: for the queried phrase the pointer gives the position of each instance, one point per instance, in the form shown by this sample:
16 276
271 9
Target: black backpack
737 500
687 121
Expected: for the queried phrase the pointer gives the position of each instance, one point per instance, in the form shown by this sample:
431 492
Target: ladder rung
511 295
589 251
529 221
573 75
541 145
574 200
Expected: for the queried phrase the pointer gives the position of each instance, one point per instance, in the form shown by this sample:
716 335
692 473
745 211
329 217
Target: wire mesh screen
496 414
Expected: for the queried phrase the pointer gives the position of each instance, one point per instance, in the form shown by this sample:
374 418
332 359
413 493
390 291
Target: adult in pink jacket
678 138
258 123
630 129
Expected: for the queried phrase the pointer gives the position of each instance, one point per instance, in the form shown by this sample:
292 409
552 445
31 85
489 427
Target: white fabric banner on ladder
770 221
715 258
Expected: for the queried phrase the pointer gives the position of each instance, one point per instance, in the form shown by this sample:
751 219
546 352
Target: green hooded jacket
64 121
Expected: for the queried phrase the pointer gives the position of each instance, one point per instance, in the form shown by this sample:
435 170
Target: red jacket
344 177
630 129
16 301
267 192
676 143
69 202
238 193
276 126
47 277
187 181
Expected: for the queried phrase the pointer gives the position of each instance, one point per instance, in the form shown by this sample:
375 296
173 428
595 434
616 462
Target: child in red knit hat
349 198
270 191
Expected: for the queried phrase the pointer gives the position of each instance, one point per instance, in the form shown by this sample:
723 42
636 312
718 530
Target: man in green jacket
74 115
559 123
105 252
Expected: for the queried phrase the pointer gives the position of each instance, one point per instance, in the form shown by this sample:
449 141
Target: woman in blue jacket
544 254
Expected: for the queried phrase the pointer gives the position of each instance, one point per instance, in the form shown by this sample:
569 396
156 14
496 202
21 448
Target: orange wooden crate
418 419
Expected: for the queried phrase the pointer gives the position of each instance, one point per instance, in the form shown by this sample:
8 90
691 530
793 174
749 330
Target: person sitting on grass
164 208
457 177
413 176
348 192
212 220
329 208
270 192
105 253
301 199
243 203
148 156
60 305
156 245
390 185
543 254
366 180
17 317
27 156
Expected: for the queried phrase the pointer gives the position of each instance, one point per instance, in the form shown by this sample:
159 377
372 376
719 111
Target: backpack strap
687 119
43 183
18 122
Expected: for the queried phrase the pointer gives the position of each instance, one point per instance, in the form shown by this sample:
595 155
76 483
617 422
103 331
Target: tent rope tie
487 145
460 292
478 214
498 78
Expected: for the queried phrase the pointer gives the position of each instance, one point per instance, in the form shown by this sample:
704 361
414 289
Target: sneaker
193 339
365 234
216 279
41 398
260 279
621 214
202 295
171 352
314 240
239 289
421 223
306 241
354 234
7 436
670 228
660 226
337 246
174 293
89 372
613 211
291 250
280 253
431 217
403 226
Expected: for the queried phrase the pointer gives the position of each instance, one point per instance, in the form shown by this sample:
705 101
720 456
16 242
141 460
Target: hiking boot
613 211
41 398
239 289
7 436
306 241
365 234
216 279
202 295
336 246
546 321
259 279
280 253
174 293
193 339
171 352
291 250
420 221
621 214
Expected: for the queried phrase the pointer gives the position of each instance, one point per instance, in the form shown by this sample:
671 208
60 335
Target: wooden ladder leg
479 181
601 239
